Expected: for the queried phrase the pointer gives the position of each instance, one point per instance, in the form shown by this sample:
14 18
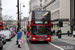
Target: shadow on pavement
40 42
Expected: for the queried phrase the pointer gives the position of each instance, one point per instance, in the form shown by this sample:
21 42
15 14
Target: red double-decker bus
1 26
40 26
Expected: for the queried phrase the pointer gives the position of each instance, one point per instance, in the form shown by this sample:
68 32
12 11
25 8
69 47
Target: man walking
53 32
68 33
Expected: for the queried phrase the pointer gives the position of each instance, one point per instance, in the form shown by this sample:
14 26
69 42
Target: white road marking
56 46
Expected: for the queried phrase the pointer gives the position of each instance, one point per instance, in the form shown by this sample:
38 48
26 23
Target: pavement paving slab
13 45
66 39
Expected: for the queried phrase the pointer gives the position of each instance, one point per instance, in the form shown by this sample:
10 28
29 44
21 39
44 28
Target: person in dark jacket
59 34
53 32
25 31
68 33
19 37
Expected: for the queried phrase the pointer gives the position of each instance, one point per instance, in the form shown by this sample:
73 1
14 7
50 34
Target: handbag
21 41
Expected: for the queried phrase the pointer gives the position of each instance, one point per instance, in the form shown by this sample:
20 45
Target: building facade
60 11
9 23
0 11
36 5
24 23
13 23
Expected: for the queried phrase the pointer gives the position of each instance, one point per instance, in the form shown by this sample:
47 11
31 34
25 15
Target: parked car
3 38
1 44
13 33
7 33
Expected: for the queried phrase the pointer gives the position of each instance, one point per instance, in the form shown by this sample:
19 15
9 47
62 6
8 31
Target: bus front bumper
48 40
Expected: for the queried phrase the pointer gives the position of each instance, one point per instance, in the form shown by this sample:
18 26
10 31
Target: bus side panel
30 35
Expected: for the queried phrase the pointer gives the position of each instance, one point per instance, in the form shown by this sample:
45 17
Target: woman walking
19 37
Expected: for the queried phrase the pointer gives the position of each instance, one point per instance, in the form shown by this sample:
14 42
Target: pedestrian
53 32
19 37
59 34
68 33
25 31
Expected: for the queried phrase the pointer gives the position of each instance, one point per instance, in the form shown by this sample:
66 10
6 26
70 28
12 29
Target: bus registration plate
40 40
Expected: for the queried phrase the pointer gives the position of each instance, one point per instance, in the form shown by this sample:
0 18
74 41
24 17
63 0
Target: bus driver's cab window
33 17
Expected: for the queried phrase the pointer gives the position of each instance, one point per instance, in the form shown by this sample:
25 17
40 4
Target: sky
9 8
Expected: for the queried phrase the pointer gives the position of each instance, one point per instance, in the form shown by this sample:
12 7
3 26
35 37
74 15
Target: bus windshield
41 15
41 30
1 29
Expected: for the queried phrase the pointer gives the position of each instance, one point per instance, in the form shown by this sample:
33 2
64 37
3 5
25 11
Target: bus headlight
34 38
48 38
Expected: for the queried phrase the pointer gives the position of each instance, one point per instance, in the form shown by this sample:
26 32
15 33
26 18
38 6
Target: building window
40 4
40 0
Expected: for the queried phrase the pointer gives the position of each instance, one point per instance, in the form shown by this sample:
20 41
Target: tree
7 20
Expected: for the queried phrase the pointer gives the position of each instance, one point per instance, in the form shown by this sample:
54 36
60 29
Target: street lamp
18 24
21 12
18 16
24 22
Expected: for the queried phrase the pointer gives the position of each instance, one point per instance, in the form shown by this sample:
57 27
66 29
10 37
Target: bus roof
1 22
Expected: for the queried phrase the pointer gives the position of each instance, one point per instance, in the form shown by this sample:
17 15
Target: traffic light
60 24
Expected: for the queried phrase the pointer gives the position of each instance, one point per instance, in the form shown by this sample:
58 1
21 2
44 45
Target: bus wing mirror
30 28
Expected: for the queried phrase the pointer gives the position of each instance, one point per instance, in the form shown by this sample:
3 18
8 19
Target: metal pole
18 15
18 24
24 24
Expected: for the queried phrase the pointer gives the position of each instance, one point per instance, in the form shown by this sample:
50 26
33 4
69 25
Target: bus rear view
1 26
40 26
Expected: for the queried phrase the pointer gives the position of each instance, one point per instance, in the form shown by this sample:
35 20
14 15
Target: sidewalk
13 45
65 38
